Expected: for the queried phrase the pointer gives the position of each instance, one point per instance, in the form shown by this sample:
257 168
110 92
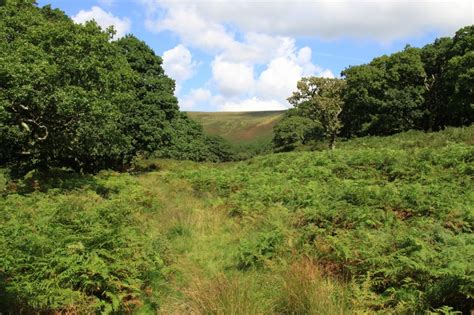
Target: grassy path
203 244
202 239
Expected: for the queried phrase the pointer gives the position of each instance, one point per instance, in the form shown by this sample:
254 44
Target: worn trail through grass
203 275
201 235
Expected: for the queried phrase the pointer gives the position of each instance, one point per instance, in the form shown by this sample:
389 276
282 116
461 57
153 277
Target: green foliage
379 225
261 248
79 251
459 78
425 88
70 97
294 130
385 96
248 133
246 151
148 116
3 179
321 100
188 142
219 148
57 107
394 214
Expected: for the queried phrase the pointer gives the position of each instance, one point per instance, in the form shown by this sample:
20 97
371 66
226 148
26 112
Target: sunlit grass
297 233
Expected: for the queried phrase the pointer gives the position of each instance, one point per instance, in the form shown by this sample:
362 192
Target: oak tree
322 100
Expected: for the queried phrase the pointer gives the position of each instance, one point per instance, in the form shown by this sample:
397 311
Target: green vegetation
392 215
61 109
417 88
321 100
379 225
239 127
247 133
425 88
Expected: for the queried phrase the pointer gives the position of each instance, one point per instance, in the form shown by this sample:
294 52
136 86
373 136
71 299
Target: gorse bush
78 251
391 211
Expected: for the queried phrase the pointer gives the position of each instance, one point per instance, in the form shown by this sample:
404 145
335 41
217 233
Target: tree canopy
72 97
321 99
425 88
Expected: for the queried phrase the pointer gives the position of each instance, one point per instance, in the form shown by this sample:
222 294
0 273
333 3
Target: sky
247 55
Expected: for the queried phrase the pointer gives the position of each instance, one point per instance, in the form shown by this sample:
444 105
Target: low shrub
75 252
256 251
394 210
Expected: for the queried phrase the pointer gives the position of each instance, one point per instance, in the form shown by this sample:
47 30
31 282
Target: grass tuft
307 290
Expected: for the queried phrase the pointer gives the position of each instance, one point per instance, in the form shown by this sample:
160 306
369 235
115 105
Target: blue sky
245 55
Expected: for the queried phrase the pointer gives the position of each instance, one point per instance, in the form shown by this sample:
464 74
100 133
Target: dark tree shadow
59 180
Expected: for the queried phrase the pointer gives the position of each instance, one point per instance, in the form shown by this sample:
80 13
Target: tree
294 130
386 96
61 86
149 113
363 96
322 100
434 57
188 142
71 97
427 88
459 78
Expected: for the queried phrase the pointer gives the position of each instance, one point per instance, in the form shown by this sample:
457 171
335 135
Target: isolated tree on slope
321 100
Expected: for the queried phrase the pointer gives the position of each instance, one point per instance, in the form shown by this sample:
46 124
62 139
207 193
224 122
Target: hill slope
239 127
381 225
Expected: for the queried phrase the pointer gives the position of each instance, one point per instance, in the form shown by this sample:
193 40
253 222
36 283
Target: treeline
72 97
425 88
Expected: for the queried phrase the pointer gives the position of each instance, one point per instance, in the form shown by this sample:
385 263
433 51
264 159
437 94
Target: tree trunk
332 142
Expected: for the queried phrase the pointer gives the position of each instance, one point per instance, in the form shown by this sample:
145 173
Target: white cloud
178 63
238 90
104 19
197 32
259 48
195 98
279 79
324 73
280 63
269 91
232 78
384 20
193 29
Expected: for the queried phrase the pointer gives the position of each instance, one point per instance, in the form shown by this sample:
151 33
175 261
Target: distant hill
239 127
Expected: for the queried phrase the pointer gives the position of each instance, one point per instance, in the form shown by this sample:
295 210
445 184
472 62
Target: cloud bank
385 20
256 61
